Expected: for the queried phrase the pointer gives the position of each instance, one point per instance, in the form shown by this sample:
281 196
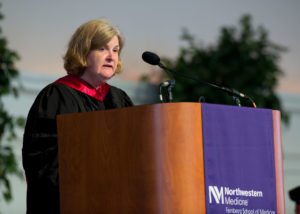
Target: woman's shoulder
54 92
116 90
53 98
121 96
54 89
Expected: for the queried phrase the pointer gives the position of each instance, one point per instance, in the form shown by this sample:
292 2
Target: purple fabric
238 159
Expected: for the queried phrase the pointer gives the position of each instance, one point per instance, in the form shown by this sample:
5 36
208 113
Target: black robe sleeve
40 149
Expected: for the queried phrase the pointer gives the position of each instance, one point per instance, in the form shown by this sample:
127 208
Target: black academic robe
40 149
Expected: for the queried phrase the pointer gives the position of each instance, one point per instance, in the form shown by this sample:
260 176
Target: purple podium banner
238 145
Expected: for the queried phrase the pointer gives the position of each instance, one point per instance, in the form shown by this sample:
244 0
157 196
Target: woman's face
102 63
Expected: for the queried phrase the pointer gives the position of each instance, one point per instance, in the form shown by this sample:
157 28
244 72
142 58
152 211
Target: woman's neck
95 82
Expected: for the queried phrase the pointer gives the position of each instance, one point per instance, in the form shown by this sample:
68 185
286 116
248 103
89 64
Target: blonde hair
89 36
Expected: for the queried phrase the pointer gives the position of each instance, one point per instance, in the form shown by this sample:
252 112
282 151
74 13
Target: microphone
154 59
151 58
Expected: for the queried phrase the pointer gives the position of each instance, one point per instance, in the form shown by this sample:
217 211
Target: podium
152 159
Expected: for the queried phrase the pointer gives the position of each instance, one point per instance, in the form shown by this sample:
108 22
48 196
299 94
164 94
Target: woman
91 59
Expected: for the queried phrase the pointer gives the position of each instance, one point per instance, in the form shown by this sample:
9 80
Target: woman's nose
109 55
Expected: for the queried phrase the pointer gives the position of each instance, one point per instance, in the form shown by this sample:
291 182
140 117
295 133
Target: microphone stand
169 85
235 94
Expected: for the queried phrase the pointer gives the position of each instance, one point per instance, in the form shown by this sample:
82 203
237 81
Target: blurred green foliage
8 123
243 58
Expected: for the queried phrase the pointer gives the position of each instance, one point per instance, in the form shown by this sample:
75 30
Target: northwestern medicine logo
225 195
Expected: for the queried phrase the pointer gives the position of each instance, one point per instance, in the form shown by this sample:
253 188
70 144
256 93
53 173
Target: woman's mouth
108 66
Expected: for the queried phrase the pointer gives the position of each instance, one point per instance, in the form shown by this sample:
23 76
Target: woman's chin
107 75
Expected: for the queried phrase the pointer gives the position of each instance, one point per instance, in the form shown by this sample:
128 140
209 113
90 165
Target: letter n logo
217 194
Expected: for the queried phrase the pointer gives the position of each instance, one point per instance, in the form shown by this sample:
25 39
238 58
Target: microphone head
151 58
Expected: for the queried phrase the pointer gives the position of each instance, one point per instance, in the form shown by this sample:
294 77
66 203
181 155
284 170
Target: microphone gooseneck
154 59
